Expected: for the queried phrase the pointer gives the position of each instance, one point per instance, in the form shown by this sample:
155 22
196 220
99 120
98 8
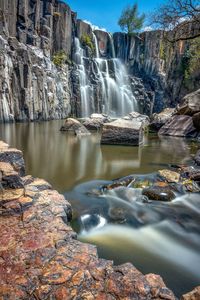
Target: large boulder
179 125
96 121
74 126
190 104
124 131
158 120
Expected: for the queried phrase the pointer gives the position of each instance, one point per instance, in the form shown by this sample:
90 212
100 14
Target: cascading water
86 89
111 76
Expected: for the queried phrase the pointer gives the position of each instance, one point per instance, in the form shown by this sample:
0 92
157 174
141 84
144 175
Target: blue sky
105 13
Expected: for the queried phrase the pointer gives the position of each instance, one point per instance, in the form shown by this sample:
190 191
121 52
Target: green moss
60 58
86 40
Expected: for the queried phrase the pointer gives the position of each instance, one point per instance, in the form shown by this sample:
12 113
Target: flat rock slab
179 125
122 132
40 257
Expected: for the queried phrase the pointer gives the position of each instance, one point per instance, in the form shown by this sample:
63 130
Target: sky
105 13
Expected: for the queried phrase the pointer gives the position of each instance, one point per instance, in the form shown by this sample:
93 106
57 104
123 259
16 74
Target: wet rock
179 125
190 105
159 193
122 132
96 121
169 175
124 181
191 186
193 295
158 120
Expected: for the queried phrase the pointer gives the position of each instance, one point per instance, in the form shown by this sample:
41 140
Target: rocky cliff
53 65
32 88
169 70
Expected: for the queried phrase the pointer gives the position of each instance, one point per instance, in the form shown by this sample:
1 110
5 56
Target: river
159 238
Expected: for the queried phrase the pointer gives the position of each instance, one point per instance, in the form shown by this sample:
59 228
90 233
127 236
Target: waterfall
112 79
86 89
112 45
96 45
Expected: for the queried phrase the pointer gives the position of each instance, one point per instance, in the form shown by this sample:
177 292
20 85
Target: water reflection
65 160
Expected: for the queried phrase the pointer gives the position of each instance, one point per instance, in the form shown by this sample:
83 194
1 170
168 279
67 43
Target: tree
130 21
179 18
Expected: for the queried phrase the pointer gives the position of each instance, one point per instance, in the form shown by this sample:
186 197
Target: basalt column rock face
169 70
32 87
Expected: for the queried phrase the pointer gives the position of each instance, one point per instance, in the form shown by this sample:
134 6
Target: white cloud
147 28
94 27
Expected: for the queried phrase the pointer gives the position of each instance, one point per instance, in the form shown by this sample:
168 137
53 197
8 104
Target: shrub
57 14
86 40
60 58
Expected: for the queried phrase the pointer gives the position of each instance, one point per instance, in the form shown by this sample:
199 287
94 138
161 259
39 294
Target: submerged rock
123 132
159 193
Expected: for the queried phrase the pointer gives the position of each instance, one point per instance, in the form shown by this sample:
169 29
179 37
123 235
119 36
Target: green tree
130 21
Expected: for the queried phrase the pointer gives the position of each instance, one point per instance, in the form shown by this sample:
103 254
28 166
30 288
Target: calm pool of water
163 239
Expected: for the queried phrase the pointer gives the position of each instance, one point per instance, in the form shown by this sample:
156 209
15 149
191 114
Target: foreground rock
179 125
193 295
40 257
74 126
96 121
125 131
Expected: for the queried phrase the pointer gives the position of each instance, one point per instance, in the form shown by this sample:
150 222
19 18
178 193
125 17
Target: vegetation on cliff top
177 18
130 21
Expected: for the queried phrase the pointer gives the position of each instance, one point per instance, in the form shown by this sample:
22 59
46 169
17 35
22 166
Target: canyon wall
99 72
31 87
170 70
